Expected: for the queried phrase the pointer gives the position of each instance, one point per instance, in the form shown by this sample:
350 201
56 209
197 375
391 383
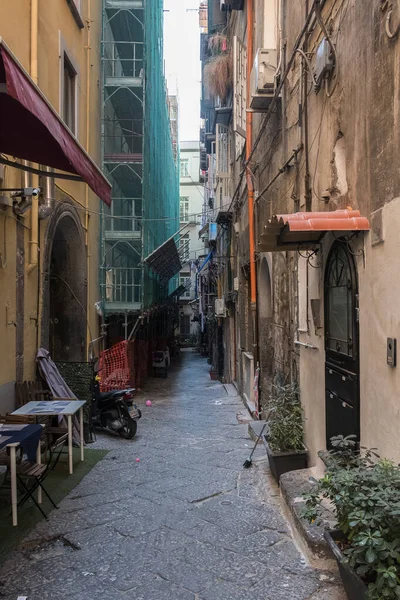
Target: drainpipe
49 196
88 69
34 237
250 186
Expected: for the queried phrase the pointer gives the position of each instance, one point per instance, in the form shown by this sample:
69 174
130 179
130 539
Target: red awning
305 230
31 129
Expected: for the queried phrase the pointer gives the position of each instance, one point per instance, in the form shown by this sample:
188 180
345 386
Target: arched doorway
341 345
264 290
64 303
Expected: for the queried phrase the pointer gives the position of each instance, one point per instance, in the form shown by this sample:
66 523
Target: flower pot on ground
354 586
285 447
363 492
214 375
283 462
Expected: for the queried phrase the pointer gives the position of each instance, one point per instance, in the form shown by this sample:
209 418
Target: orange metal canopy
304 230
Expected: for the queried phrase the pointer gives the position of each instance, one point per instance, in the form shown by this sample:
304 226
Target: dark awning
305 230
32 130
165 260
178 292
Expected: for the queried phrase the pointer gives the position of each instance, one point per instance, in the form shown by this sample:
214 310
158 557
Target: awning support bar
16 165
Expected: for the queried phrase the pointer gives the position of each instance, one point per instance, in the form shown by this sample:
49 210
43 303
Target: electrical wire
273 103
329 92
319 130
75 297
130 218
310 69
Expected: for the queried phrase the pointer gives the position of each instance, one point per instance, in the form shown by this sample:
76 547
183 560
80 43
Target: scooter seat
114 394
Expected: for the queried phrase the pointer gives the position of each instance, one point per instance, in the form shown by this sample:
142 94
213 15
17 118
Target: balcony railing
122 285
123 139
124 216
123 59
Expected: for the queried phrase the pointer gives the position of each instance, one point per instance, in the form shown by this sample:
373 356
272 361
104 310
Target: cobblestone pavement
187 522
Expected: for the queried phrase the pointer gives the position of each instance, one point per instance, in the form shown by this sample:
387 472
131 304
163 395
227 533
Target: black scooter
115 411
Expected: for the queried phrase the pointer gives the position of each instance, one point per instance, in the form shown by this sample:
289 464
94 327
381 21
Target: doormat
58 483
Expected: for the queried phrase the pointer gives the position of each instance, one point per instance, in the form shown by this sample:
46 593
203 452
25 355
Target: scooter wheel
129 426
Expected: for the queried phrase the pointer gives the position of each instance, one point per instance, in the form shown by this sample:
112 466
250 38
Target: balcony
123 63
123 222
121 289
125 4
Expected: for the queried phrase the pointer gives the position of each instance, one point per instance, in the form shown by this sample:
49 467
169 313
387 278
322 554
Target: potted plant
284 441
218 71
364 493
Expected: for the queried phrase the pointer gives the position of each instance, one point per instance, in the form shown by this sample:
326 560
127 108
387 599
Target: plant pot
214 375
283 462
353 585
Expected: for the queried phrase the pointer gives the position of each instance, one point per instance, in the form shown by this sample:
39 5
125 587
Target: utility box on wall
262 79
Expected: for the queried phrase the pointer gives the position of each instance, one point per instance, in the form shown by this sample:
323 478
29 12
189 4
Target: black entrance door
342 395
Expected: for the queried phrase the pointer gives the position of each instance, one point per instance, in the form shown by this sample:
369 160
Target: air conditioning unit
220 310
262 79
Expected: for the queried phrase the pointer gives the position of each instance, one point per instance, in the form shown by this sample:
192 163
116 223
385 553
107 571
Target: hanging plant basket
218 75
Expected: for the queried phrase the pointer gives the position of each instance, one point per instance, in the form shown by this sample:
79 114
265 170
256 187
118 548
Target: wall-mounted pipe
305 345
249 178
88 90
49 196
34 237
249 144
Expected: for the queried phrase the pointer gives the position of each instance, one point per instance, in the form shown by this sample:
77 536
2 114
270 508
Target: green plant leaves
365 493
286 429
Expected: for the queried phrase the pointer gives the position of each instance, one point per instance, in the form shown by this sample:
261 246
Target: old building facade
49 258
308 118
192 248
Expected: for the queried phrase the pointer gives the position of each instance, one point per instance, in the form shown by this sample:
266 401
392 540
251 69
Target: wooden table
13 466
64 407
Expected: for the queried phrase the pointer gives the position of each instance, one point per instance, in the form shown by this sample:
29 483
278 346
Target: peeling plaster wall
353 142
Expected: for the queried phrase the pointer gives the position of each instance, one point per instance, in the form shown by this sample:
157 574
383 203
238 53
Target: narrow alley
186 522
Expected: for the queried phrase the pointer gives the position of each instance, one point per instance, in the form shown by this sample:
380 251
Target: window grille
240 92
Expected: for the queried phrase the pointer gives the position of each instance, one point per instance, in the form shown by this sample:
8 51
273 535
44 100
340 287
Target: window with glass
185 167
183 280
184 209
340 298
69 94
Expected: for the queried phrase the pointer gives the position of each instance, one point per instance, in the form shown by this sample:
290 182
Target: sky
182 62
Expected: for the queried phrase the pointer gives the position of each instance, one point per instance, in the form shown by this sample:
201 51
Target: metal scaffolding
137 156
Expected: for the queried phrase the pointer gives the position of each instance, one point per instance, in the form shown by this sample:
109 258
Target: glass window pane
339 303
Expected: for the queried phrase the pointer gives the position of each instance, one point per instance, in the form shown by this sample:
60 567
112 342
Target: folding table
8 434
64 407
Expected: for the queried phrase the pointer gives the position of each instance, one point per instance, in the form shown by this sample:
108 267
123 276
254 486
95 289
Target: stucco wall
352 140
54 17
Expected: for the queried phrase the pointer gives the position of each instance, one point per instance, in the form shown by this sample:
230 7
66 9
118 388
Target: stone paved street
187 522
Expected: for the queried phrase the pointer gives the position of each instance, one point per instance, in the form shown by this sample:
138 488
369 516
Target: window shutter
240 92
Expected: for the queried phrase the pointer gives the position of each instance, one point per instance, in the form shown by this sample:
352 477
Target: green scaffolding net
138 156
